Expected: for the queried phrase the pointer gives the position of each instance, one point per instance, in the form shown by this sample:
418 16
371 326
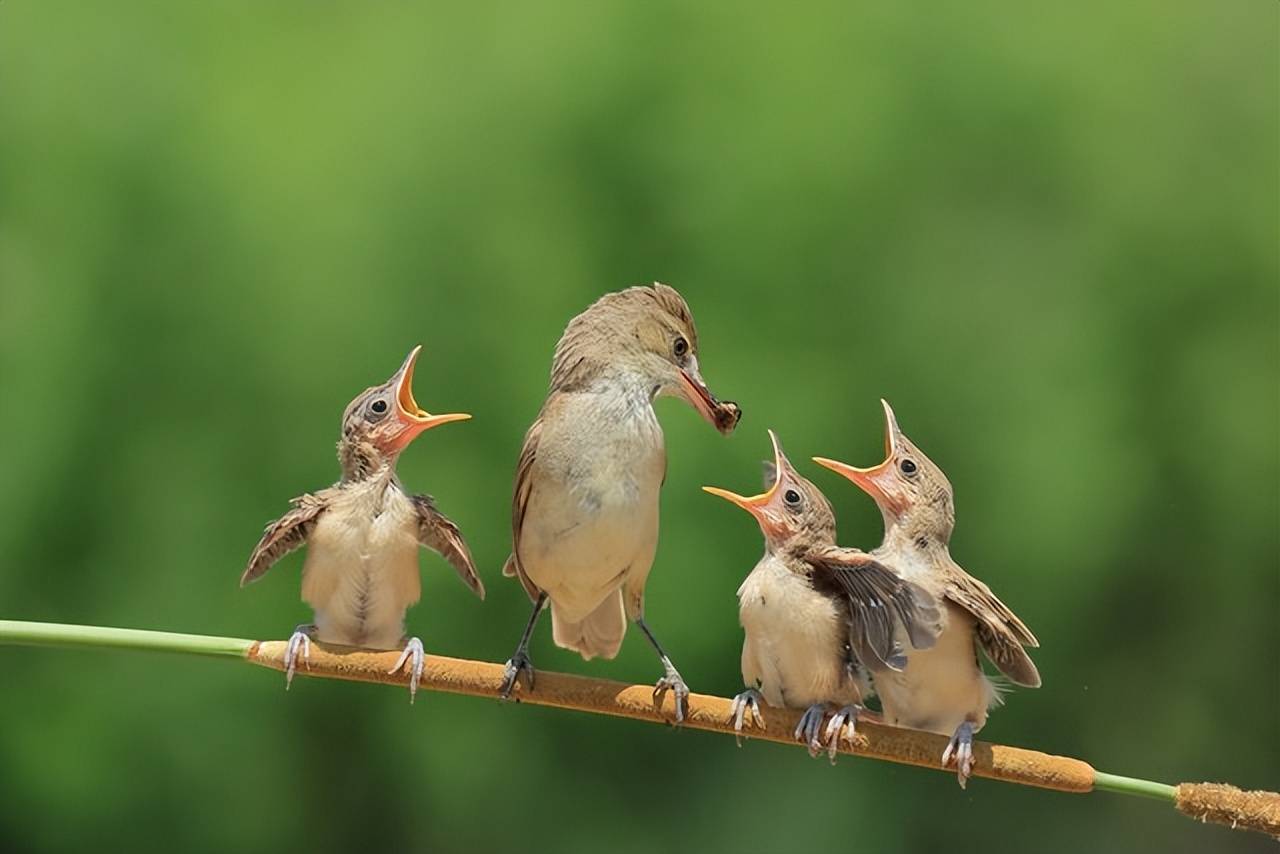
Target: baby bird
363 533
817 616
584 518
943 689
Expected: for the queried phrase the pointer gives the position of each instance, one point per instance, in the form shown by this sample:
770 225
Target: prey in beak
723 415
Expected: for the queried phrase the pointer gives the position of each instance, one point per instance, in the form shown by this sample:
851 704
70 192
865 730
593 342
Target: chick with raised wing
818 619
943 689
363 534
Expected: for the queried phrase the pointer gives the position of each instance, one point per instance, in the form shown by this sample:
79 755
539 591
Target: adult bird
584 515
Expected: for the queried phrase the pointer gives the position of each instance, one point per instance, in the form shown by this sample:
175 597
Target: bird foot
516 665
411 659
746 709
841 728
674 683
961 747
299 641
810 726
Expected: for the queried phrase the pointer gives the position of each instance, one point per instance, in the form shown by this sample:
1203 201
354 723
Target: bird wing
879 602
1000 633
519 502
285 534
437 532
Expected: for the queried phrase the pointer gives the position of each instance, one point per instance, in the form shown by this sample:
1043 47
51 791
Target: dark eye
680 348
908 467
376 410
378 406
791 497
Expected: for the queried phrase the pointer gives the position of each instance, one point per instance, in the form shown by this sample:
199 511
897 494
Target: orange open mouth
410 412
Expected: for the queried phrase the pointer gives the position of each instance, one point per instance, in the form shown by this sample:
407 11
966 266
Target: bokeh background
1046 232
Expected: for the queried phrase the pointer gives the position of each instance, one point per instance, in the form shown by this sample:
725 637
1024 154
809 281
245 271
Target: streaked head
908 487
792 511
384 419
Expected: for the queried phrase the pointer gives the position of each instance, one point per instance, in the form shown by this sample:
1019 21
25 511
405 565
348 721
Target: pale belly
361 572
941 686
793 652
580 550
591 524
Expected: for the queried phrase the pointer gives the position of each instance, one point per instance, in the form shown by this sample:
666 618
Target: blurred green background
1048 234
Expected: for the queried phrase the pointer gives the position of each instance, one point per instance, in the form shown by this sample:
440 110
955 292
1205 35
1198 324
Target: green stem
1133 786
59 634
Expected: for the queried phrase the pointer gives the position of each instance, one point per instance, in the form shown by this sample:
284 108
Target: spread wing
520 501
880 603
437 532
285 534
1000 633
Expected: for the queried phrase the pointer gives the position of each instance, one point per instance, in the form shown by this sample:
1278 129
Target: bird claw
300 640
674 683
809 727
516 665
412 660
961 748
746 709
841 727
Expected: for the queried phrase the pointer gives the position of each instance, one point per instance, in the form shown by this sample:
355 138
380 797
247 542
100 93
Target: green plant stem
1133 786
98 637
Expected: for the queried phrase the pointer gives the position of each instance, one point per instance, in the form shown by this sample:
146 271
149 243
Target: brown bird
363 533
818 616
943 689
585 509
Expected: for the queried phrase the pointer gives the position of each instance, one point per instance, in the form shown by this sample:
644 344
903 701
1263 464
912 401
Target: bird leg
961 745
519 661
672 681
810 726
411 659
746 709
300 640
841 727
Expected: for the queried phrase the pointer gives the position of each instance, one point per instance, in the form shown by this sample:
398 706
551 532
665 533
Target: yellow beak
414 419
756 505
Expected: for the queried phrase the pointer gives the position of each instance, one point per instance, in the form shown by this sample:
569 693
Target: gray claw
961 746
675 683
809 727
516 665
413 655
300 640
841 727
748 701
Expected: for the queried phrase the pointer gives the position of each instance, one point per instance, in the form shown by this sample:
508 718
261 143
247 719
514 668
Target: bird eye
791 497
680 347
378 406
908 467
377 409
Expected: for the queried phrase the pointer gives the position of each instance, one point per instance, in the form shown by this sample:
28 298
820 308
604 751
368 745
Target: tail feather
599 634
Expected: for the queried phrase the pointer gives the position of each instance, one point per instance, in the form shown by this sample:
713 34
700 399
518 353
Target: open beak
876 481
759 505
723 416
414 418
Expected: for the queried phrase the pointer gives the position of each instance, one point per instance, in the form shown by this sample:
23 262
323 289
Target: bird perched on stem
363 533
943 689
584 516
817 616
